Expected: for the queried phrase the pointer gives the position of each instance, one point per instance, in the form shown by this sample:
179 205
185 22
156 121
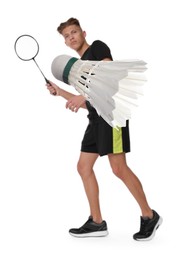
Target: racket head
26 47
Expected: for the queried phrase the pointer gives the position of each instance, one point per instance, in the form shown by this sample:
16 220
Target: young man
101 139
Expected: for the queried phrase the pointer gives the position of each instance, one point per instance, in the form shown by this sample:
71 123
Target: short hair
70 21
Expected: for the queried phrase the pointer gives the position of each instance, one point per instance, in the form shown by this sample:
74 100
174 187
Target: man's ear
84 34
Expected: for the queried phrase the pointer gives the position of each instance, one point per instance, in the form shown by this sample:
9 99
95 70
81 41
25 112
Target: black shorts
103 139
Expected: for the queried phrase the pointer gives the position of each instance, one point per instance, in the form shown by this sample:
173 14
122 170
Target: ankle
148 214
97 220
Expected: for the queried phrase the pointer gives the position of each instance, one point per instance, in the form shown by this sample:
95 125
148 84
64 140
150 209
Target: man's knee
116 169
83 169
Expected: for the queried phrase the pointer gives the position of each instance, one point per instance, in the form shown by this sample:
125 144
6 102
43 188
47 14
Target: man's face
74 37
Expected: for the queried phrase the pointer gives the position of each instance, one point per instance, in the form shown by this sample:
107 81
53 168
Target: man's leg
150 219
85 169
122 171
94 226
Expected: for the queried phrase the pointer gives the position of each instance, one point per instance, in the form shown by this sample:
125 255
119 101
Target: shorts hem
104 153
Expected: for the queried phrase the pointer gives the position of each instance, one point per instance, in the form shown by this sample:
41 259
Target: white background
41 194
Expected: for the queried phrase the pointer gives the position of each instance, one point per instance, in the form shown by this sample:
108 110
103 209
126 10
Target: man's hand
76 102
53 88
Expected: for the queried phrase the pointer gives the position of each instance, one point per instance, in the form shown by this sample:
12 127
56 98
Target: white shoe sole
91 234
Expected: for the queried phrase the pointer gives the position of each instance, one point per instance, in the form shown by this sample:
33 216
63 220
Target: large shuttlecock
112 87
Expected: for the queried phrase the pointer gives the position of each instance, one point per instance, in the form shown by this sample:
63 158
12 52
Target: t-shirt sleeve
100 50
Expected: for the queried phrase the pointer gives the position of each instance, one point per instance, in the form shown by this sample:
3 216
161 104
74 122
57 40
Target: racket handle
48 82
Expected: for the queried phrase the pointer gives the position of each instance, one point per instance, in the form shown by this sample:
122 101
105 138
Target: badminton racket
27 48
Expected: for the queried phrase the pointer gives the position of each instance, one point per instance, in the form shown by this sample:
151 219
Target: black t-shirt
98 50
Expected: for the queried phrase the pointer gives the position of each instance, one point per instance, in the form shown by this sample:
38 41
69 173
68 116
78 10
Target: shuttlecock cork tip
61 67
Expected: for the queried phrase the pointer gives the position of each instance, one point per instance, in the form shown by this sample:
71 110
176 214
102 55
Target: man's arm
74 102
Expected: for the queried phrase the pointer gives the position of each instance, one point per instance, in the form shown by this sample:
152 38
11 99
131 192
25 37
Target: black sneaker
90 229
148 227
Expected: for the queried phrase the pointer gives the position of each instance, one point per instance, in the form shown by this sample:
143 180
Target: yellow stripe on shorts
117 140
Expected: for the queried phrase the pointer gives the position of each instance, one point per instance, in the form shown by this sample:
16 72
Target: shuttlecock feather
112 87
